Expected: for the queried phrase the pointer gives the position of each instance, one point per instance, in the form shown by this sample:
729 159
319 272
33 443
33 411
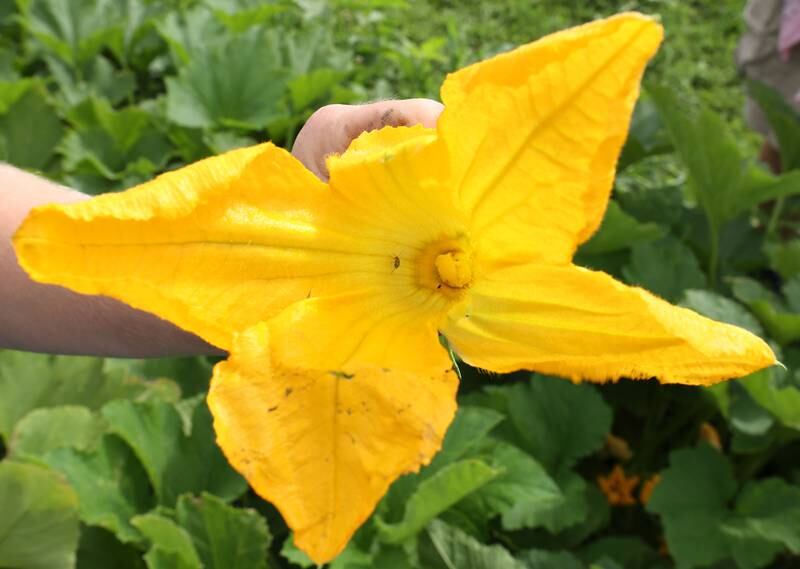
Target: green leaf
692 499
435 495
30 130
220 87
783 120
309 88
784 257
33 381
468 430
11 91
171 545
224 536
74 31
772 510
39 524
542 559
290 552
523 485
725 184
771 311
782 403
665 267
187 32
646 136
176 463
114 144
620 231
722 308
240 15
110 484
554 515
746 416
43 430
451 548
701 528
544 414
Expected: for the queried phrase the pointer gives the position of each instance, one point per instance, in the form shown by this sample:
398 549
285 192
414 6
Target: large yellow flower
330 297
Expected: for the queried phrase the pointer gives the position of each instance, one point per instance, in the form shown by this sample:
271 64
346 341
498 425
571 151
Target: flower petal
323 446
378 327
534 136
581 324
400 175
232 240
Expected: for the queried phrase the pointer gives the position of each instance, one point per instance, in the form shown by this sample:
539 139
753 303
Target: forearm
46 318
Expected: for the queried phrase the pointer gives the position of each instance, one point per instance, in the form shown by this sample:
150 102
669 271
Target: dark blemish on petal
342 375
288 392
396 263
349 411
271 409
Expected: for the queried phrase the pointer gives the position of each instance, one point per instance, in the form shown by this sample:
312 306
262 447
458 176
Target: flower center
446 266
454 269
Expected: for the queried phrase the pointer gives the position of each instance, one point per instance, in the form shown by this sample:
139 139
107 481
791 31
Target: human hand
331 128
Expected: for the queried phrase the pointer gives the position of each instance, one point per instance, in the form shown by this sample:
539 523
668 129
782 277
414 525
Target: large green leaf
30 130
784 257
43 430
694 501
620 231
435 495
451 548
110 483
523 485
772 510
171 545
114 144
665 267
39 521
176 462
782 402
783 120
224 536
73 31
722 308
646 136
235 84
10 92
725 183
554 515
782 323
32 381
555 420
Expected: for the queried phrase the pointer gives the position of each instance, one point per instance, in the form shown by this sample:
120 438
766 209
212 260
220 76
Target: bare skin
52 319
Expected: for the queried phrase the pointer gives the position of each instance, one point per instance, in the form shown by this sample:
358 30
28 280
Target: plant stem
774 218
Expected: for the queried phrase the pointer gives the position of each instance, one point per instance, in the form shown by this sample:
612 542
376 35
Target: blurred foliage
112 463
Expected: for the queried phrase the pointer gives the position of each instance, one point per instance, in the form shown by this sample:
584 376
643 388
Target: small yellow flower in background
647 488
618 448
618 487
330 297
709 434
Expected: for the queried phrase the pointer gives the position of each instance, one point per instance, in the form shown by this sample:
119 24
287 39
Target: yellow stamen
454 269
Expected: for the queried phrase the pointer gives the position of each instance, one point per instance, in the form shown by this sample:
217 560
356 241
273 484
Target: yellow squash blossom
330 297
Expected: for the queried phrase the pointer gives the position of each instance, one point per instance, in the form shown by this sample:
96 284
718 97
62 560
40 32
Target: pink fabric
789 35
